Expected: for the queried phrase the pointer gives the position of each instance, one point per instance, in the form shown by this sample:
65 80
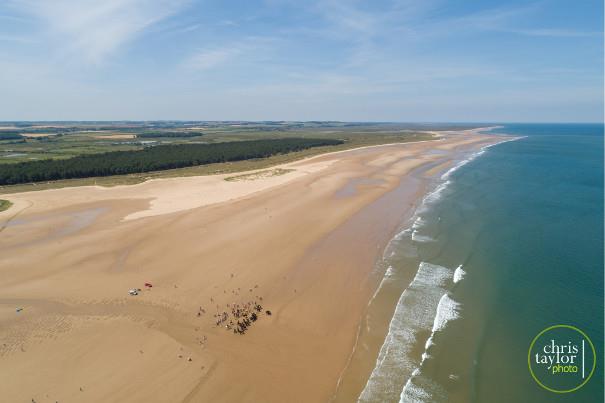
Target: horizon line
299 121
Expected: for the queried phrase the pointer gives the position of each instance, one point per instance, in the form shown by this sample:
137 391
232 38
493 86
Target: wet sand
304 242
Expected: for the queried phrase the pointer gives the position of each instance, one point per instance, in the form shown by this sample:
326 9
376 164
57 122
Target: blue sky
398 60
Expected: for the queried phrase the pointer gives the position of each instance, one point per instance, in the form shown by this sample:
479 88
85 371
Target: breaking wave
426 305
416 310
418 388
459 274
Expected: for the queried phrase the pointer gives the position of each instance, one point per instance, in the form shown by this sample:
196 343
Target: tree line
168 134
10 135
152 159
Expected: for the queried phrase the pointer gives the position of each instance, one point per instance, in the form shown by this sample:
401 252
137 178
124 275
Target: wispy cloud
96 29
189 28
207 59
506 20
355 59
554 33
345 16
248 49
412 20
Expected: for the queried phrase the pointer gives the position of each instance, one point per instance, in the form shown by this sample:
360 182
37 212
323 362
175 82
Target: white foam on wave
414 312
414 393
431 198
388 274
462 163
418 222
447 310
459 274
402 233
393 356
422 390
436 194
420 238
473 156
459 165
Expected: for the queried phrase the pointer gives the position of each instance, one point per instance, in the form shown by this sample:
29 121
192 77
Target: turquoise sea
507 245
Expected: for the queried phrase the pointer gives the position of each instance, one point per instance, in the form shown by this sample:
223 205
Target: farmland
38 141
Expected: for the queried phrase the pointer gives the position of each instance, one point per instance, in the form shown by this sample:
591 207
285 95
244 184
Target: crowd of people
239 317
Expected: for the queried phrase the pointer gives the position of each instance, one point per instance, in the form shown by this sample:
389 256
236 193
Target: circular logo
561 358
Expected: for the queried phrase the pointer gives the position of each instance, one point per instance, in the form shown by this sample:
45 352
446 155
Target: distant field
71 139
23 141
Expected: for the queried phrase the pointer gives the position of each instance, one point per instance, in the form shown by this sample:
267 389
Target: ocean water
509 242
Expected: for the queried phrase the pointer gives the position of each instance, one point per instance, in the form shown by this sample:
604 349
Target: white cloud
95 29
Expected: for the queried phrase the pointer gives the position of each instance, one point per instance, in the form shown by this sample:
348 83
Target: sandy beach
296 247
